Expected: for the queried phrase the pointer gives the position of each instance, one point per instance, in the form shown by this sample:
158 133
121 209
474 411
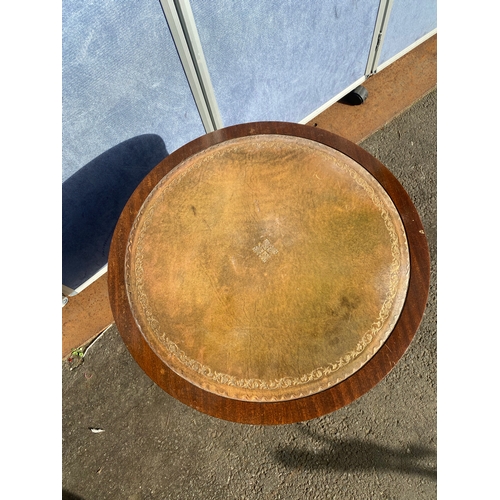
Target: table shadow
66 495
93 199
356 455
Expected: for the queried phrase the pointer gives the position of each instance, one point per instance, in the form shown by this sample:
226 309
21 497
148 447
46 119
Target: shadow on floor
66 495
351 455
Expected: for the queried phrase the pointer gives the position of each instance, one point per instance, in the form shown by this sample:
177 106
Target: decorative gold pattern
264 250
216 380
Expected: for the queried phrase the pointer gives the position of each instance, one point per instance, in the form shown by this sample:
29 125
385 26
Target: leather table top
267 268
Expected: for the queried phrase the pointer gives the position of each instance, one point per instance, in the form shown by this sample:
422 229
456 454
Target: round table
268 273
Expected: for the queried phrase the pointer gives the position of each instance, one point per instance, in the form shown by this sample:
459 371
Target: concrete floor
150 446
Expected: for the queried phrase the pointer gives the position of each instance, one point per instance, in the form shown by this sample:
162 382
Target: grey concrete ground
382 446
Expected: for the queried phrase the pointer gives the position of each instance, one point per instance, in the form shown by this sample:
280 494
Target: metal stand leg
356 96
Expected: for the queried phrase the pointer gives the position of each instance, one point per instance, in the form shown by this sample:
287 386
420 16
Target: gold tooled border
216 379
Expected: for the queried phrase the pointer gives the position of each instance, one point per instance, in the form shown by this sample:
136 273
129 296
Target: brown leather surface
267 268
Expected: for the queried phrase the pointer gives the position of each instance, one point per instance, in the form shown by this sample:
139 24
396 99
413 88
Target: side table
268 273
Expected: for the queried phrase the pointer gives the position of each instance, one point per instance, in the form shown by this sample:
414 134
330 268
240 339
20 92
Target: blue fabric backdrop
121 78
282 60
410 20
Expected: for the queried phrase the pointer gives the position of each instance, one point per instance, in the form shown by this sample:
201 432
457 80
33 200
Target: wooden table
268 273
